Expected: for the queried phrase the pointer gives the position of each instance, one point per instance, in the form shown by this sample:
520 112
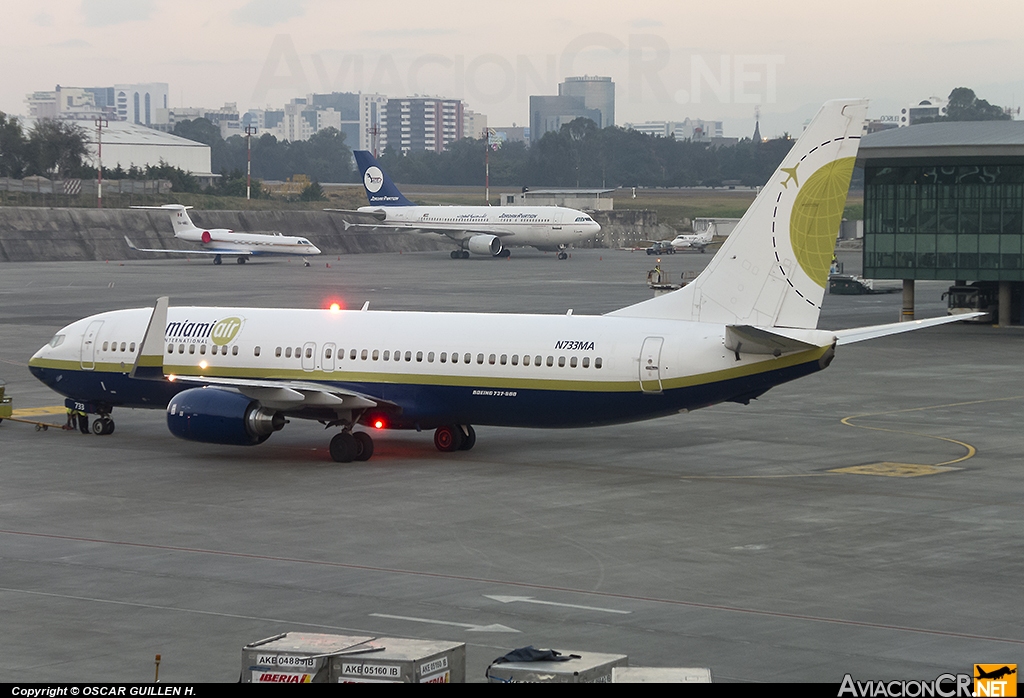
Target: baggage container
299 657
584 667
646 674
403 661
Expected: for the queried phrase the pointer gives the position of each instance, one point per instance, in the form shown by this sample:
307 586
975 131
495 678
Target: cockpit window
57 340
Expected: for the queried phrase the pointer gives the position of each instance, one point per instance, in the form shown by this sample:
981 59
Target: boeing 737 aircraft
483 230
746 324
221 241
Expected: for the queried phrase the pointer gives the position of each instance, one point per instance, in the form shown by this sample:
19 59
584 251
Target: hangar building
946 201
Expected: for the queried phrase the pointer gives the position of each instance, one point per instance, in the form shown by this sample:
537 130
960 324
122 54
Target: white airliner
221 241
483 230
745 325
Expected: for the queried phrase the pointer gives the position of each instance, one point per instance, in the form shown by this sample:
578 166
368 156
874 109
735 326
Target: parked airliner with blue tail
482 230
746 324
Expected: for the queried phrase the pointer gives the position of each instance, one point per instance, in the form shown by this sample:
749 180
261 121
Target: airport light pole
100 123
250 131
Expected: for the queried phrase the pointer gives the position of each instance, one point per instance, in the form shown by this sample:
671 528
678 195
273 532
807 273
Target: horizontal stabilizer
165 207
860 334
747 339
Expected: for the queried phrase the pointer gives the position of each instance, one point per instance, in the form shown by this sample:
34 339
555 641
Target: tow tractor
981 296
7 412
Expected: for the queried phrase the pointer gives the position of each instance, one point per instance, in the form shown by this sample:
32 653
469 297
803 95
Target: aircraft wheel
241 260
563 255
465 254
456 254
343 447
448 438
305 264
216 259
108 425
364 445
468 438
97 427
505 252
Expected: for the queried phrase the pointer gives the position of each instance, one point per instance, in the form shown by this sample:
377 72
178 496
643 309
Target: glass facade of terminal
959 221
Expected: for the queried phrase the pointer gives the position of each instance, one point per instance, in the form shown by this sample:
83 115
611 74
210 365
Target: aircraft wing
860 334
293 395
221 252
376 215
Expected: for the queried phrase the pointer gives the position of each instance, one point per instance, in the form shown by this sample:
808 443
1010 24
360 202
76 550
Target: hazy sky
669 58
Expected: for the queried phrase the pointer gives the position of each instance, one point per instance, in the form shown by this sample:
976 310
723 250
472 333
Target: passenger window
122 346
131 347
309 353
408 356
363 354
287 352
504 359
572 362
298 352
526 359
234 350
376 354
170 348
387 355
255 351
551 360
444 357
327 354
352 355
202 348
479 358
597 362
181 348
515 359
490 359
430 357
419 356
191 348
586 362
455 357
561 362
467 358
277 352
105 346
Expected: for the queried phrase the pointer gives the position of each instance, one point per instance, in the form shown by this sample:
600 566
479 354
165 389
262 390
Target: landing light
203 364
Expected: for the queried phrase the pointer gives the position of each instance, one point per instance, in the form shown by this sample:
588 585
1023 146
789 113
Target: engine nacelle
485 244
216 416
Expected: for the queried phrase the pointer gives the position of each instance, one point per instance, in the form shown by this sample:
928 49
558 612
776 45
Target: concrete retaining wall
81 234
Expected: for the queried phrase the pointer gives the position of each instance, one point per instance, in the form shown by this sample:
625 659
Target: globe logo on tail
816 215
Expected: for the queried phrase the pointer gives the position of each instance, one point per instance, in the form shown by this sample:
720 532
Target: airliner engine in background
482 230
747 323
221 241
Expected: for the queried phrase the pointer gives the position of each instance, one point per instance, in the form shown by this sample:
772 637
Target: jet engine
485 244
217 416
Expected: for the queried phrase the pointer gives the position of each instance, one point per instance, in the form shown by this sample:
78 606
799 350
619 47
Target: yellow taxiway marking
891 469
37 411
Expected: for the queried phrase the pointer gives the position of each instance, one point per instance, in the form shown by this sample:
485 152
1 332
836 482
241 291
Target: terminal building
946 201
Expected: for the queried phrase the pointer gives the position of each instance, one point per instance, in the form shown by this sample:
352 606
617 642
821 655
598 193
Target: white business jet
221 241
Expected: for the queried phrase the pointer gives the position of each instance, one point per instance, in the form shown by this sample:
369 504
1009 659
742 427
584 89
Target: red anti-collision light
206 236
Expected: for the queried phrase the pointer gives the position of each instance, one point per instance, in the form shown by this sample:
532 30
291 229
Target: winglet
130 243
150 361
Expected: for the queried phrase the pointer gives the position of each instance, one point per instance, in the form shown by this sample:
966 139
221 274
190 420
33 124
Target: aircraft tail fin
773 268
179 218
380 190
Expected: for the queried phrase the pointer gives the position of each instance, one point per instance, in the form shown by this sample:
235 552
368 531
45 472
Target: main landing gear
217 259
349 446
460 254
454 437
103 425
240 260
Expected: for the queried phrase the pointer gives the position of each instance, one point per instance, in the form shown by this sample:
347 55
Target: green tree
56 148
13 147
964 105
312 192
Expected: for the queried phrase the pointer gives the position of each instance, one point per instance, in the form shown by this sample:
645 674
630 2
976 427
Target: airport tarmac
769 542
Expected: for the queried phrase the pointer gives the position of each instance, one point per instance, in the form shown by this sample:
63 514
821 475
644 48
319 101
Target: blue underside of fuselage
429 406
